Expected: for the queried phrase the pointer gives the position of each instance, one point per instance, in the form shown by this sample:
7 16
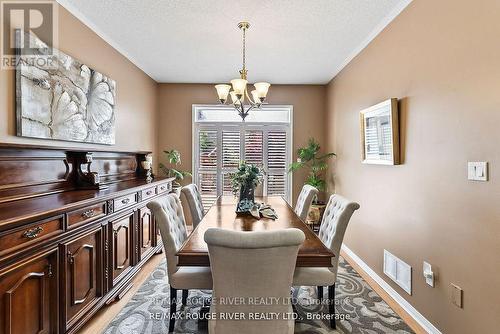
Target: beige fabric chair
170 219
337 214
304 201
250 265
195 204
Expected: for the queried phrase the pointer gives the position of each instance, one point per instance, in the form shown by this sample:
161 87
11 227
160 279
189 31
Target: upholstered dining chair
170 219
195 204
304 201
250 266
337 214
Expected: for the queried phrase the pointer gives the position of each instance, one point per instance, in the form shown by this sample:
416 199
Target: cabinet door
83 274
28 296
122 245
146 231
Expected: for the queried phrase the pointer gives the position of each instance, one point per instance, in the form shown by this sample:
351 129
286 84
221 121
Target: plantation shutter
207 169
277 163
254 147
230 148
208 149
220 145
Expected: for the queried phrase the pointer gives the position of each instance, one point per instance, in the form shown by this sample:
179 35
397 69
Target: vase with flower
243 183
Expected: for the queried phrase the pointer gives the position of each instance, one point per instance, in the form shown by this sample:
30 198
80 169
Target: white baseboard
419 318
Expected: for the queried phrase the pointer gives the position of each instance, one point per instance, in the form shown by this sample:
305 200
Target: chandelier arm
248 110
252 103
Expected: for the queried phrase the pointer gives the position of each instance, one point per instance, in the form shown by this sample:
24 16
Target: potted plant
174 159
309 157
244 181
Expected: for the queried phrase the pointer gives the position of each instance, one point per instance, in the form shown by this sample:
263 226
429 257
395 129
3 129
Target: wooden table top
194 252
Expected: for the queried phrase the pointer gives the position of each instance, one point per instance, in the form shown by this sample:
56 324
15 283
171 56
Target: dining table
222 214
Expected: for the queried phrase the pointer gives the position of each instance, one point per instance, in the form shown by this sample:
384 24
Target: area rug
360 309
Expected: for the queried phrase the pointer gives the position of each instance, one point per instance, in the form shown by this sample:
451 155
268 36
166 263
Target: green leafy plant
308 157
247 176
174 159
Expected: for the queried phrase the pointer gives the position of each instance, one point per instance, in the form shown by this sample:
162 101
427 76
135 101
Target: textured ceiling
197 41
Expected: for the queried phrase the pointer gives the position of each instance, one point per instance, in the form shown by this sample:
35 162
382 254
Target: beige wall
175 116
136 92
441 58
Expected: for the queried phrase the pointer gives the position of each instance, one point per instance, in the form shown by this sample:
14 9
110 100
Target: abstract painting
58 97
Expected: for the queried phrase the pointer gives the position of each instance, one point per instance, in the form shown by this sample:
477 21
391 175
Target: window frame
265 127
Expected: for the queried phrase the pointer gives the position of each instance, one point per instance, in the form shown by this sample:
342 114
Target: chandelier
240 99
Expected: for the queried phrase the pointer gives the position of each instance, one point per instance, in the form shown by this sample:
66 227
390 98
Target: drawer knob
88 214
33 232
125 200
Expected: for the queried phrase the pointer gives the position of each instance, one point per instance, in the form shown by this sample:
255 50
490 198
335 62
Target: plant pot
315 215
248 193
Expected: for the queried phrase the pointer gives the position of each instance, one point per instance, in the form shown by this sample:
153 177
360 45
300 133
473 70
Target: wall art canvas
58 97
380 133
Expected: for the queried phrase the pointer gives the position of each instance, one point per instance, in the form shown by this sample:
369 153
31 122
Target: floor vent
398 270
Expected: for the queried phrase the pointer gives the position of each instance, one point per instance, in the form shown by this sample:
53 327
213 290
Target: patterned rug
360 309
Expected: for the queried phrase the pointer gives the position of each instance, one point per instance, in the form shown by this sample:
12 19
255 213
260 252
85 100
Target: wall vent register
398 270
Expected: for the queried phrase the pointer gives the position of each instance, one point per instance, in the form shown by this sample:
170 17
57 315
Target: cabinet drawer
125 201
86 214
148 193
164 188
29 234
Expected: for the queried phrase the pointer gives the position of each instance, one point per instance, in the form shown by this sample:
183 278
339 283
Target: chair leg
173 309
320 293
331 305
185 297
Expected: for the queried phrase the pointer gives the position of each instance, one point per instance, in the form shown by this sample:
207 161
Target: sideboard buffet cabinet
74 230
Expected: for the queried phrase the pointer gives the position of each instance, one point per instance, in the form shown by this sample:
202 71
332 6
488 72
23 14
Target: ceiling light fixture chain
243 72
239 86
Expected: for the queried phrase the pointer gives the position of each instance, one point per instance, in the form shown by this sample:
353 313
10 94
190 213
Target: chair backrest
195 204
168 214
337 214
248 266
304 201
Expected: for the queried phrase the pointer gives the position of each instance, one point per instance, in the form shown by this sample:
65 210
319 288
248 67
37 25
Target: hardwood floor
101 319
385 296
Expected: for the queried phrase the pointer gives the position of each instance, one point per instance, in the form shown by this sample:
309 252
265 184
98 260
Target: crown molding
374 33
85 20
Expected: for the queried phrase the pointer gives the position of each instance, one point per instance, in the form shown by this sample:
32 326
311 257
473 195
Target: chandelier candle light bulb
239 86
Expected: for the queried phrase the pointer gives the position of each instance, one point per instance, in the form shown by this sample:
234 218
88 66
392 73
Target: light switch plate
456 295
428 274
477 171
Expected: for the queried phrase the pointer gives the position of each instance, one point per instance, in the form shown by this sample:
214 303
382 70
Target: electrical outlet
456 295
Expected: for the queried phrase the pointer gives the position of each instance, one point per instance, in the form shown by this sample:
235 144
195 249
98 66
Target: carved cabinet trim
74 231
